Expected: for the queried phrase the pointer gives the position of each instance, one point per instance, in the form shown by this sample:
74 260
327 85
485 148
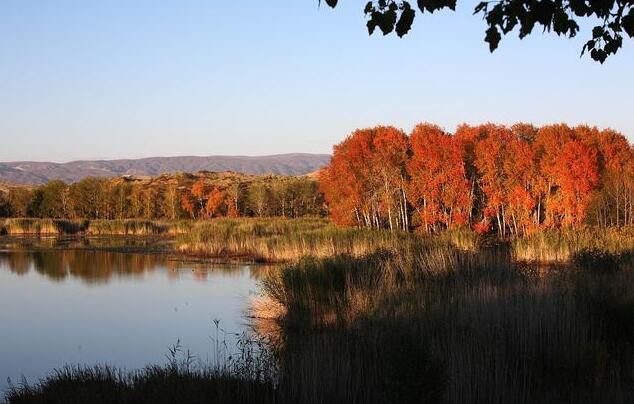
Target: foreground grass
152 385
454 326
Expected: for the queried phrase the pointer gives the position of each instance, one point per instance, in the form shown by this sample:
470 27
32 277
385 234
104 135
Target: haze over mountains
29 172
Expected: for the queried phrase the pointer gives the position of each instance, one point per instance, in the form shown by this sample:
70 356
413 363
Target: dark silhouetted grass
499 331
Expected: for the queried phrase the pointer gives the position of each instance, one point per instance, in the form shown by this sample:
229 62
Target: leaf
527 27
482 6
371 26
560 22
599 55
387 21
433 5
612 46
368 8
493 37
627 23
332 3
404 23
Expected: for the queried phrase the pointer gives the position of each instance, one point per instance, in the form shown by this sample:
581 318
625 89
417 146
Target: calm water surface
62 305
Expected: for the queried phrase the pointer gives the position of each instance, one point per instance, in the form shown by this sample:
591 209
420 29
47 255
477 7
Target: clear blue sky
119 78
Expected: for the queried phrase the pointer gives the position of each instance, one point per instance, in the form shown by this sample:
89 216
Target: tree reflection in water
99 260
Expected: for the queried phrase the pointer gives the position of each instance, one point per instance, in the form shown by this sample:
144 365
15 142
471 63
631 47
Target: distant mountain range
30 172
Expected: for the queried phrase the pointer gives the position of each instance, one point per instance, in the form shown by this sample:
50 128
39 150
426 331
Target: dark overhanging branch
503 16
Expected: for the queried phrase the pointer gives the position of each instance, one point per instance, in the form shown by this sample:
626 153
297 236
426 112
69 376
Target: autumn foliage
510 180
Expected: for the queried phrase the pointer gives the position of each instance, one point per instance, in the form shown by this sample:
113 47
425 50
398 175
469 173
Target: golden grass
283 240
130 227
28 226
135 227
563 245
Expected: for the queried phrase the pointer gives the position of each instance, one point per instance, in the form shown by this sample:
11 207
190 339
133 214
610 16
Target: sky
126 79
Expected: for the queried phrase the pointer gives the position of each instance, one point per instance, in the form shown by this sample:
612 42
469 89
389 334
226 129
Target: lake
86 302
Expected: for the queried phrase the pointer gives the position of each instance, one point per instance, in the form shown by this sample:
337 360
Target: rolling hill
30 172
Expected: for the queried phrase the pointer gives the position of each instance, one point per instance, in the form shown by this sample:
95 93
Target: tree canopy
614 19
491 178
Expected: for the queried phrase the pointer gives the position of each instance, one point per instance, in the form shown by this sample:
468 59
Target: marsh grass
129 227
461 238
498 330
155 384
135 227
562 245
29 226
282 240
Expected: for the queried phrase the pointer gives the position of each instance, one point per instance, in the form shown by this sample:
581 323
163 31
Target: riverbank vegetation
62 227
455 326
279 240
432 323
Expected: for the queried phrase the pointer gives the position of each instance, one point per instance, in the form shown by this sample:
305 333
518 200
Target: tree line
182 196
492 178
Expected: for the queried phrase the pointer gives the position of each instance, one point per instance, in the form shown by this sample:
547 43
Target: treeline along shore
549 190
507 180
171 197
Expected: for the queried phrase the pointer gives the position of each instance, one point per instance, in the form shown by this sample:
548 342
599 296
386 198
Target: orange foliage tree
364 184
515 179
438 189
215 201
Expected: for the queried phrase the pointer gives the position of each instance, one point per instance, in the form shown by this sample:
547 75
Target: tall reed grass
563 245
26 226
496 330
282 240
128 227
136 227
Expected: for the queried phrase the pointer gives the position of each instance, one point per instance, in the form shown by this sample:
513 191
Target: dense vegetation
167 197
436 324
282 240
509 180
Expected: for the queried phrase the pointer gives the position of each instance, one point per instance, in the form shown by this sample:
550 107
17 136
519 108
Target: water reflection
99 260
117 301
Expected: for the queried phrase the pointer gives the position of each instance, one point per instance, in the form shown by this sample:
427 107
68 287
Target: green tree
5 208
89 198
119 201
171 202
19 200
50 200
259 199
